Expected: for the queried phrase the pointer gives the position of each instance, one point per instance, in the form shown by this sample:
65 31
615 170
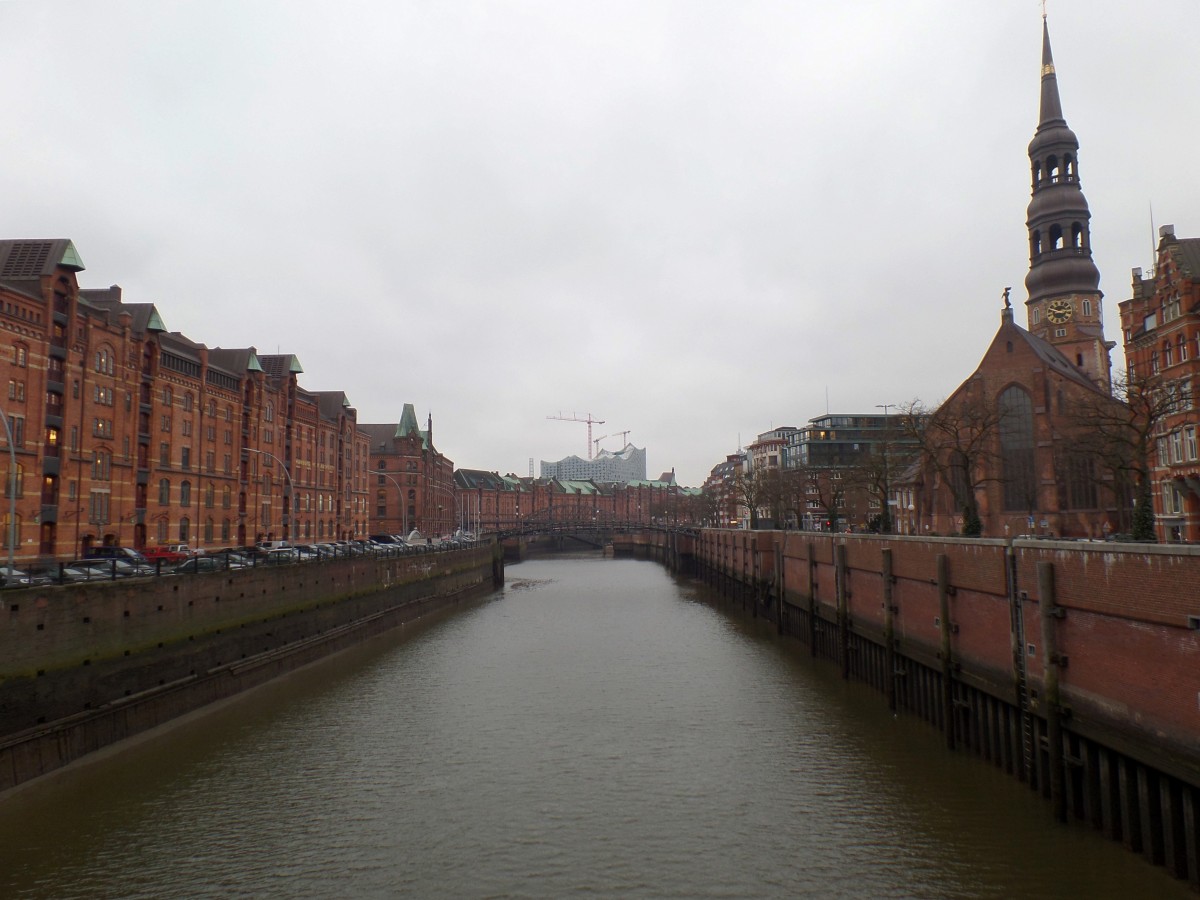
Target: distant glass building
621 467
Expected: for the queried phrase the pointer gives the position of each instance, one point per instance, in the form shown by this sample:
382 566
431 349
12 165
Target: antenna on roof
1153 242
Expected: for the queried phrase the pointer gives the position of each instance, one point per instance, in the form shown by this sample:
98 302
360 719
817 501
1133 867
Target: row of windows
14 309
1177 447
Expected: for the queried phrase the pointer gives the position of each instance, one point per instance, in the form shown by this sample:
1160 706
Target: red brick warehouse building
126 433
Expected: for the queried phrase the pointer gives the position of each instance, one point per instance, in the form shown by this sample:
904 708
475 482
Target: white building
621 467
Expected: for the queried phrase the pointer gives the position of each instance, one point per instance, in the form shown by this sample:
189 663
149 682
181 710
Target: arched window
164 492
269 412
1077 236
1069 165
104 360
1035 243
185 494
208 529
225 531
1017 450
210 496
1056 237
188 401
185 530
226 497
1037 172
9 479
1168 353
162 530
1052 169
102 466
167 397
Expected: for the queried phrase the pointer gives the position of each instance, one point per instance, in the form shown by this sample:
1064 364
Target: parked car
168 553
114 553
113 567
281 557
73 574
15 578
198 564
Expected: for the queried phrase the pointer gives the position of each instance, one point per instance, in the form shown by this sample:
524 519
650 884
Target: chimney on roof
1166 232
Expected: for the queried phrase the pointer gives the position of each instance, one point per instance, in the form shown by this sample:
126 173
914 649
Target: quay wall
84 666
1074 666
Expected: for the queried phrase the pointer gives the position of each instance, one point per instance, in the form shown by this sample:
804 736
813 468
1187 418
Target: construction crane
587 418
596 443
624 434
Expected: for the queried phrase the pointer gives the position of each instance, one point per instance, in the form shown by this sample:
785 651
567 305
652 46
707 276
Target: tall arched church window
1017 450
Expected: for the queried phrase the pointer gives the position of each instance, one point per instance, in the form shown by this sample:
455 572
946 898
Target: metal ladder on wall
1018 623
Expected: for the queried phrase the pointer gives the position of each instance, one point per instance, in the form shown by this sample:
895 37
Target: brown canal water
595 729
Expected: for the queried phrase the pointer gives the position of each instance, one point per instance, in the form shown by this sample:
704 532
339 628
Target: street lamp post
399 497
287 518
886 520
12 493
445 490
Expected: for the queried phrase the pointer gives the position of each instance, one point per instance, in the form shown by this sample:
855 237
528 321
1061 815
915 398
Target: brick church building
1001 448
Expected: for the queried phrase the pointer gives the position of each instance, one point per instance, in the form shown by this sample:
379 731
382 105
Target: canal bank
1070 666
601 730
86 666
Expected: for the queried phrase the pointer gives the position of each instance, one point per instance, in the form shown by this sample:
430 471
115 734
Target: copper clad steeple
1060 247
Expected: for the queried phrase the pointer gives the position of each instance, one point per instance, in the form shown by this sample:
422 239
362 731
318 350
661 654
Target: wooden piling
843 613
889 630
1052 698
943 587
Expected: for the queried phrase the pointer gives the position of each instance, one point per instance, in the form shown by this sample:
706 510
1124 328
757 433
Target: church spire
1063 282
1060 247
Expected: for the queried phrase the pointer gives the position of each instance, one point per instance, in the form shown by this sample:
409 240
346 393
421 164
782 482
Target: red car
170 553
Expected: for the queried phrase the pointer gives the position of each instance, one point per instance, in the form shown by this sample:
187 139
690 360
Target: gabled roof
144 317
181 346
37 258
280 364
1186 254
474 479
239 361
408 426
380 436
1055 361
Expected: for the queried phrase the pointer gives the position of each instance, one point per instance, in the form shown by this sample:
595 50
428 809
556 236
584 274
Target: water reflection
596 729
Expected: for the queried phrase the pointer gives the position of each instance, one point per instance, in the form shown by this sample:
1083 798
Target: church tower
1064 305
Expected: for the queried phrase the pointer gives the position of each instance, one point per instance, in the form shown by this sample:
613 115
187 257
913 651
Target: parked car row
110 563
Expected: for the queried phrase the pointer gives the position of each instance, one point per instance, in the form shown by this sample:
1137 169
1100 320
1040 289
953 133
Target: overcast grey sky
694 220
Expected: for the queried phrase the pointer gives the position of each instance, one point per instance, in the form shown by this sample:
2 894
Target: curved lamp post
287 518
12 492
399 496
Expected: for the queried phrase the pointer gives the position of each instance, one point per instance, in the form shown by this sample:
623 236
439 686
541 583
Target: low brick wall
1131 654
85 666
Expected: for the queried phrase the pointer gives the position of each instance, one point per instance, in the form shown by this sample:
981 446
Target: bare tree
875 470
826 486
1120 433
750 488
958 440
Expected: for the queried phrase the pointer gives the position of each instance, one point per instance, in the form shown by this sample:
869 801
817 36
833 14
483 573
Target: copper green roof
71 258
